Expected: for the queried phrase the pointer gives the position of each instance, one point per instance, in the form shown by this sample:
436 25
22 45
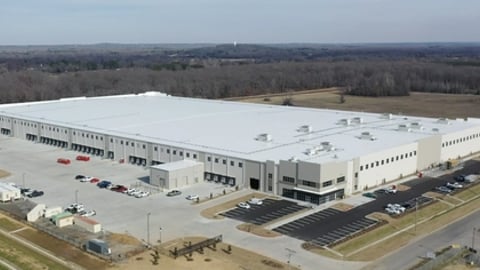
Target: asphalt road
459 232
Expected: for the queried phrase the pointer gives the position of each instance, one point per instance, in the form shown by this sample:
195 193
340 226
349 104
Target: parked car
453 185
79 176
142 194
443 189
104 184
82 158
370 195
88 213
64 161
86 179
191 197
75 208
26 191
243 205
130 191
460 178
255 201
35 193
174 193
94 180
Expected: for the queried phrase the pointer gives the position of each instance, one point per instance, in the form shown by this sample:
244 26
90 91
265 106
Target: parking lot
260 214
328 226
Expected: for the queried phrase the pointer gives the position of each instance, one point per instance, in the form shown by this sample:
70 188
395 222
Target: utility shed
98 246
9 193
36 213
88 224
63 219
176 174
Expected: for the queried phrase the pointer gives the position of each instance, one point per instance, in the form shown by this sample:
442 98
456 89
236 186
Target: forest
220 71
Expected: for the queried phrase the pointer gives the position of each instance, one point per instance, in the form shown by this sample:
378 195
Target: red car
65 161
83 158
94 180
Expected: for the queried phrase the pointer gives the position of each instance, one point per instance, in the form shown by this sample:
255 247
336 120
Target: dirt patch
381 216
342 207
439 105
434 195
212 212
222 257
4 173
257 230
123 239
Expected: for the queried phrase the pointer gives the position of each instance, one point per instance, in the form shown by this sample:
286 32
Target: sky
51 22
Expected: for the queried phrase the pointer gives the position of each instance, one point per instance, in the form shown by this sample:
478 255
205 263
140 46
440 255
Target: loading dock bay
328 226
260 214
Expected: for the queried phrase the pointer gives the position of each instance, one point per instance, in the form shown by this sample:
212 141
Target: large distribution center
313 155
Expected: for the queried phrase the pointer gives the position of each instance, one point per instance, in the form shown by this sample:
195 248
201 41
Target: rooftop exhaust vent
404 127
312 151
293 159
344 122
445 121
357 120
388 116
327 146
305 129
367 136
416 125
264 137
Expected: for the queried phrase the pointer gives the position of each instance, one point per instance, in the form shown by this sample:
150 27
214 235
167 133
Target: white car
88 213
255 201
191 197
244 205
142 194
86 179
454 185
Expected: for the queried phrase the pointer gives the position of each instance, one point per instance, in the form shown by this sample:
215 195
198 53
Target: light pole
160 239
148 228
76 195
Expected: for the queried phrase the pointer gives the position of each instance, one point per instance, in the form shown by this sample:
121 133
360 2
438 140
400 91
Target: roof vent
357 120
312 151
305 129
264 137
404 127
443 121
327 146
293 159
388 116
367 136
435 129
345 122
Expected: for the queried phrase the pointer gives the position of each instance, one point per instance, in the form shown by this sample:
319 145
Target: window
209 158
401 156
327 183
96 137
111 140
174 152
232 163
187 154
195 156
143 146
341 179
387 160
356 174
74 134
126 143
224 162
415 153
240 164
270 176
397 158
411 154
377 163
180 153
391 160
168 151
382 161
288 179
361 168
309 183
372 165
216 160
121 142
366 167
155 148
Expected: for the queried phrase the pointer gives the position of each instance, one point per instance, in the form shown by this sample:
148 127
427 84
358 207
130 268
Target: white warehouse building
313 155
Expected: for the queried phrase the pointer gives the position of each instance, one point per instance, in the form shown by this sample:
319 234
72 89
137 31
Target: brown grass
123 239
342 206
257 230
419 104
212 212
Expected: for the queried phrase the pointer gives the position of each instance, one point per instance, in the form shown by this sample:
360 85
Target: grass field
418 104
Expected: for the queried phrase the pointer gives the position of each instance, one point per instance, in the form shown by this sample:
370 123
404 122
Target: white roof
7 187
232 128
177 165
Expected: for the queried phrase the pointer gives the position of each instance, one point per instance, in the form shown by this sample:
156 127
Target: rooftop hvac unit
367 136
435 130
357 120
345 122
305 129
403 127
445 121
293 159
264 137
388 116
312 151
416 125
327 146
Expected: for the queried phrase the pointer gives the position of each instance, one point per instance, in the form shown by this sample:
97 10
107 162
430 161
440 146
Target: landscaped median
400 231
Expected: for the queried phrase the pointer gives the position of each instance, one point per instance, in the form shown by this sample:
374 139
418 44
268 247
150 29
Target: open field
4 173
417 104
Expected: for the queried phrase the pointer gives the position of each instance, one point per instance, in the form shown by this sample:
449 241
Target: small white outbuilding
9 193
176 174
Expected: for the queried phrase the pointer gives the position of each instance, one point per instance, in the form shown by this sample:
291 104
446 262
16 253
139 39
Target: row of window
459 140
224 162
88 136
291 180
388 160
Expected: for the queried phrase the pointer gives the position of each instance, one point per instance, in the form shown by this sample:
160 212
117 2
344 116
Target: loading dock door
254 183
